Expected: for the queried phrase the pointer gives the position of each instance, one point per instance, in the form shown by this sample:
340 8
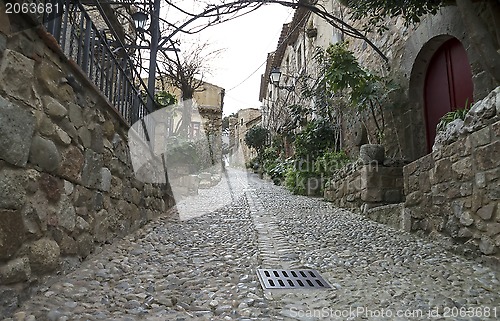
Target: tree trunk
482 40
187 107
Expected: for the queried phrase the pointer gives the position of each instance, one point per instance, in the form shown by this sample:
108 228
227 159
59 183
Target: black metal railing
105 61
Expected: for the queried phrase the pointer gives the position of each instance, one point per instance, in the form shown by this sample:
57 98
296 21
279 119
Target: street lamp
140 19
274 78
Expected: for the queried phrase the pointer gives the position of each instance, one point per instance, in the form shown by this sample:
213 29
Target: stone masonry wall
409 50
454 192
66 180
366 186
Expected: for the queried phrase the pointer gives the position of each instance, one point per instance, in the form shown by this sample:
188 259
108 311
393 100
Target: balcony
97 52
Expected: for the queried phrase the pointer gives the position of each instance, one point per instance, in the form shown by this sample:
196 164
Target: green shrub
184 152
451 116
329 162
299 171
279 169
256 137
317 137
296 180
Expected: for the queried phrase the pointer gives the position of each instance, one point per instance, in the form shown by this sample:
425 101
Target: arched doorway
448 85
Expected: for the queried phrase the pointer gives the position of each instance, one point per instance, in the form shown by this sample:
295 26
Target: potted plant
365 92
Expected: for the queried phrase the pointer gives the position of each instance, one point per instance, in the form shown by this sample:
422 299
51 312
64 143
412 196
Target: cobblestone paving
204 268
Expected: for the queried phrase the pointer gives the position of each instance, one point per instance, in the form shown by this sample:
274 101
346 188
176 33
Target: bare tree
193 17
486 42
186 71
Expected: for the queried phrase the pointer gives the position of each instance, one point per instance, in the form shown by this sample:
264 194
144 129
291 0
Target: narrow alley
203 267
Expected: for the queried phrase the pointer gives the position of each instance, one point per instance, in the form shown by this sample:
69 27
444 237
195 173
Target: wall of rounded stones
454 192
66 180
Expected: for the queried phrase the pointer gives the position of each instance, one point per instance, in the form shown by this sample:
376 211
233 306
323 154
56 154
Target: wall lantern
140 19
274 76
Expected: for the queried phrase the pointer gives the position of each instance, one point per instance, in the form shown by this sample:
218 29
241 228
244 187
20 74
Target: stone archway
413 61
433 84
448 85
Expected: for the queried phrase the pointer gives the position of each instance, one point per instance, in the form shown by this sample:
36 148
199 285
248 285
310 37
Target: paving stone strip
274 250
204 268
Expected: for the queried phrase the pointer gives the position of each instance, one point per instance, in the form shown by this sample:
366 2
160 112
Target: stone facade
362 187
246 119
408 49
66 179
454 191
208 101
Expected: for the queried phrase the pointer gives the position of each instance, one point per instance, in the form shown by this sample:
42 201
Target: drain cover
291 279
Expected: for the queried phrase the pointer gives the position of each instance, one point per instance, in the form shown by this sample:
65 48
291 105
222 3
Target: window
337 37
299 58
241 122
195 129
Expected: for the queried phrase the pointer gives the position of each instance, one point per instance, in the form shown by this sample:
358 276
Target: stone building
204 132
208 102
412 52
438 69
246 119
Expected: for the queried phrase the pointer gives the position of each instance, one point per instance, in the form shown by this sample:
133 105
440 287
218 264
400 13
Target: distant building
205 127
246 119
207 105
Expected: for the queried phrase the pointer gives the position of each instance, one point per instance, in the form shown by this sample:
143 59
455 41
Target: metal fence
105 61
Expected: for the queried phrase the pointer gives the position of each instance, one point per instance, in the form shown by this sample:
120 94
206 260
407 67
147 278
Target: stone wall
454 191
409 50
365 186
66 180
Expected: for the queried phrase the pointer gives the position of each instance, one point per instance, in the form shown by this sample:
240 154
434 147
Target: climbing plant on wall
362 90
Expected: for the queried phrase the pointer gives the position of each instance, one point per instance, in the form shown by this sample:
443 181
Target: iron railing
105 61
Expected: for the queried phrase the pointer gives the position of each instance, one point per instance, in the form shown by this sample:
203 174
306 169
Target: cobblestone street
203 267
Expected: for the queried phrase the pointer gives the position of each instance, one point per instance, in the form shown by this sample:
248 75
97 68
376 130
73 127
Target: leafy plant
363 90
183 152
314 139
374 12
299 171
329 162
256 137
296 180
451 116
164 99
279 169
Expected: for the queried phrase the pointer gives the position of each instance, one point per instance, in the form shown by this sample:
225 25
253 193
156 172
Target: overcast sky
246 41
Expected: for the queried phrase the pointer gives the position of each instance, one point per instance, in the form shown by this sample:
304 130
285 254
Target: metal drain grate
291 279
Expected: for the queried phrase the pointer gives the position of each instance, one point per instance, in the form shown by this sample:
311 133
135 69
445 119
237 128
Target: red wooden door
448 85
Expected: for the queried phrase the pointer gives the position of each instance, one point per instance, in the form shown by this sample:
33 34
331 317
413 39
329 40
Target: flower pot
371 153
